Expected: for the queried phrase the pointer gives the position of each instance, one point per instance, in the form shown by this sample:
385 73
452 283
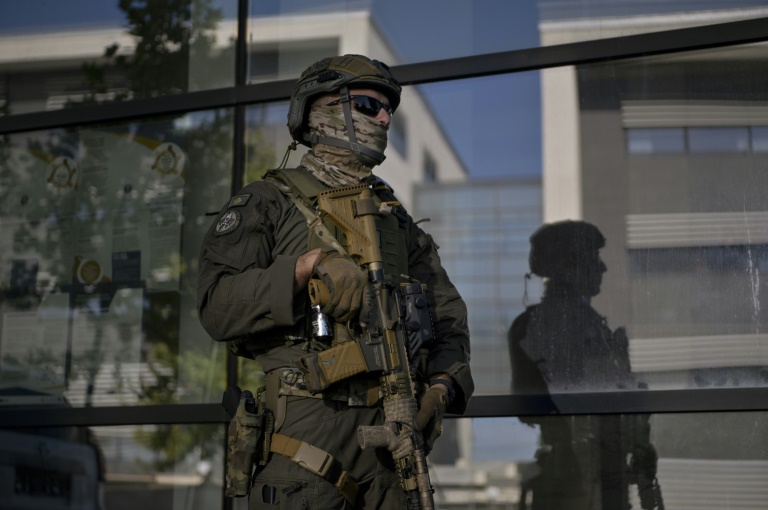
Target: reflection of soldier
563 345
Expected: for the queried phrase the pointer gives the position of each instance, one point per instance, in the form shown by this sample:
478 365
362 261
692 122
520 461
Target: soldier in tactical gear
564 345
256 262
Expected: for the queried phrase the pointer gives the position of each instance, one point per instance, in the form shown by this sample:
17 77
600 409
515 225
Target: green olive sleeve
246 279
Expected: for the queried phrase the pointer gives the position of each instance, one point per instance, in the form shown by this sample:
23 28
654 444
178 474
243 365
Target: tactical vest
302 186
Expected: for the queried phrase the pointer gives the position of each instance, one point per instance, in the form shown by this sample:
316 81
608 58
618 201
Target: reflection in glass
98 251
122 467
759 139
47 467
475 225
724 139
685 230
562 344
285 37
655 141
162 466
705 460
90 51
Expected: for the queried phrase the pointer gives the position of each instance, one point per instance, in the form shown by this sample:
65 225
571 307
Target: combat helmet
338 74
557 247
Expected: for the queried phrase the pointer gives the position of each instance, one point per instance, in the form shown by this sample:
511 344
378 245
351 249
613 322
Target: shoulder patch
239 200
228 222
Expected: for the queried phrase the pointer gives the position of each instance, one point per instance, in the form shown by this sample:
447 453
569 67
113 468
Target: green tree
169 36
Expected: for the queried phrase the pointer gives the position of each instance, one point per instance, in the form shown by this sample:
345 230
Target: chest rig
302 188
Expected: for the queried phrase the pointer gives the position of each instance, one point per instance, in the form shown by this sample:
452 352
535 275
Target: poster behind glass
91 259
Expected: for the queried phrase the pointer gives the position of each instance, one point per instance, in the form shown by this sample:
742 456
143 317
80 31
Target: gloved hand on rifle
346 283
429 419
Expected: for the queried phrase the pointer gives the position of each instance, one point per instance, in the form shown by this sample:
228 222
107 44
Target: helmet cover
331 74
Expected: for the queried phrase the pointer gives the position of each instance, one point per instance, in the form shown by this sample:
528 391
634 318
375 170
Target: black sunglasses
366 105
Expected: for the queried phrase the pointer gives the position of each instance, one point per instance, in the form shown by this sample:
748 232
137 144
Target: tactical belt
289 382
317 461
278 337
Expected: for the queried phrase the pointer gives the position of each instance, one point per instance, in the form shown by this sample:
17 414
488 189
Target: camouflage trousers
332 426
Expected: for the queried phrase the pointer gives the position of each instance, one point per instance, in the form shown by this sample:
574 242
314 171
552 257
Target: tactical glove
345 281
429 419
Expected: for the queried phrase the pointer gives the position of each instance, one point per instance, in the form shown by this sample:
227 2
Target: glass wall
286 36
88 52
603 218
685 244
101 228
121 467
697 460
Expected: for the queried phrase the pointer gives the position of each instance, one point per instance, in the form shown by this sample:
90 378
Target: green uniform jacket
245 292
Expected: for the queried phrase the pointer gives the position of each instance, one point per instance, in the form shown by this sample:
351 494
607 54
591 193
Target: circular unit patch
89 272
228 222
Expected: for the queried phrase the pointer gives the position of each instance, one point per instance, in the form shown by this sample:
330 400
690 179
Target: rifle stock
382 347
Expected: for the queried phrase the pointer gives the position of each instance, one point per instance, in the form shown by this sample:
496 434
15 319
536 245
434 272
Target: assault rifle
399 326
643 461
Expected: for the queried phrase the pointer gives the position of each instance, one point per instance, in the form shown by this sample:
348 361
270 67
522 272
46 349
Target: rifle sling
314 220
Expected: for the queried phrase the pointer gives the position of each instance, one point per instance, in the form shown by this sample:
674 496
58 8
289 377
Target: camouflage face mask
329 121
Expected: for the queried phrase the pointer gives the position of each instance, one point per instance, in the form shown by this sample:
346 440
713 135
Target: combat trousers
332 426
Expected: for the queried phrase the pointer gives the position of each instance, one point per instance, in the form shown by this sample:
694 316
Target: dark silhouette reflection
564 345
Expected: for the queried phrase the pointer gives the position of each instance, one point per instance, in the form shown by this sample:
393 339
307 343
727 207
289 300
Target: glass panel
285 37
482 227
680 305
730 139
599 461
99 239
655 140
760 139
682 302
151 467
59 55
266 140
603 462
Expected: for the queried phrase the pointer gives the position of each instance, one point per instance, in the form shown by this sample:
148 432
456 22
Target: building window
288 59
759 138
718 139
398 135
697 140
656 140
430 167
